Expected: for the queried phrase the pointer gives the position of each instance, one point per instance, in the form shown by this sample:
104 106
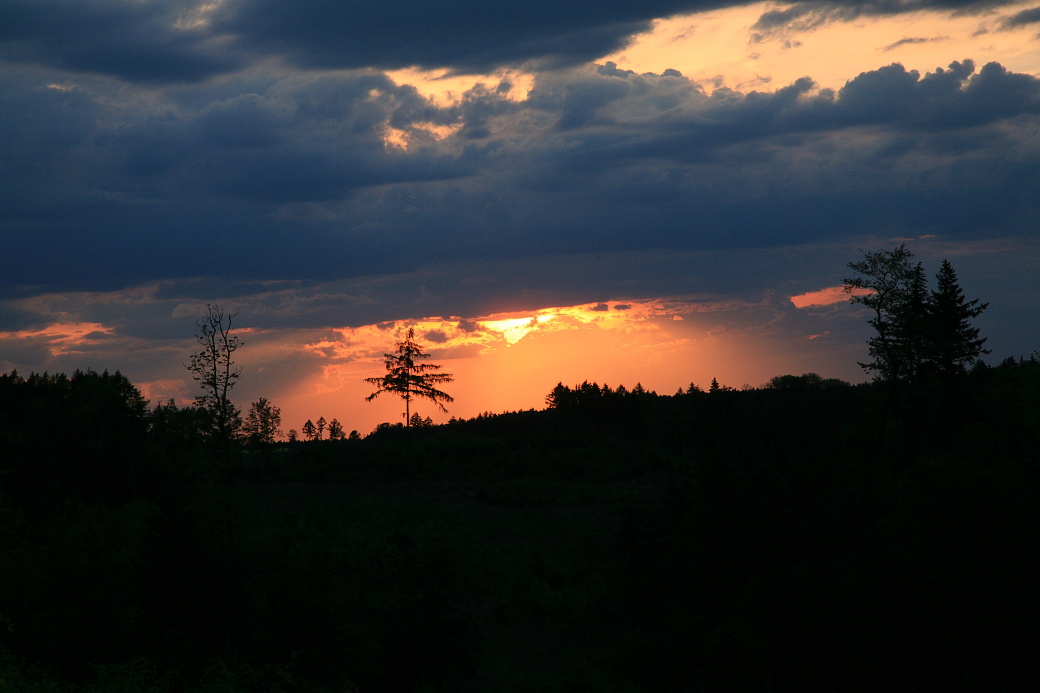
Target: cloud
192 40
136 41
1023 18
159 156
911 42
802 17
288 177
823 297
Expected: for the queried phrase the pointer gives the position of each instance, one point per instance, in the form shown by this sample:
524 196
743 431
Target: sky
660 193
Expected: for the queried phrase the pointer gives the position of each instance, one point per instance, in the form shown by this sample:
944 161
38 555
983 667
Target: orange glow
511 361
826 297
500 362
721 48
445 88
64 338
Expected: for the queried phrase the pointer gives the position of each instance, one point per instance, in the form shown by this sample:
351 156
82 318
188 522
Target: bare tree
406 377
213 367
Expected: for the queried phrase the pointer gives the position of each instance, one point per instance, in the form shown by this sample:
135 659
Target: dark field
807 536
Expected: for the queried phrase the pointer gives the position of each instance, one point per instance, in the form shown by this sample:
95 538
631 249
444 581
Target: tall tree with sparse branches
407 377
213 367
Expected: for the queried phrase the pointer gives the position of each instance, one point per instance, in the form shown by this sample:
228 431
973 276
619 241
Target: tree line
923 338
795 543
213 367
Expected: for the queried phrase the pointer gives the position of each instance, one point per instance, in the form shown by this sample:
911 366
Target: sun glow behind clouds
62 339
500 362
725 48
445 88
503 361
510 361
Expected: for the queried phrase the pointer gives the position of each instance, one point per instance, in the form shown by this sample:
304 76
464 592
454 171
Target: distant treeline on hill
807 535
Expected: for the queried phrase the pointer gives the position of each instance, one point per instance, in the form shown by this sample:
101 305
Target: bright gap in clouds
723 48
445 88
511 361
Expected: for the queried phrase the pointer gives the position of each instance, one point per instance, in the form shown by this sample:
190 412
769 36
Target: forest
805 535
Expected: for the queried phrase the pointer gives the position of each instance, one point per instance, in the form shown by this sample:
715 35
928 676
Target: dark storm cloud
137 41
292 196
462 35
289 177
1023 18
185 40
808 16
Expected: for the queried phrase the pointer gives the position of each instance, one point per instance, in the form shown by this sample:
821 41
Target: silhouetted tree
177 427
916 332
310 432
910 333
293 435
418 421
82 435
213 367
885 283
335 430
560 397
262 422
954 342
321 426
407 377
806 381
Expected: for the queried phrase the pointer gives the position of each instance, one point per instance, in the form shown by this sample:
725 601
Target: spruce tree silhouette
954 342
406 377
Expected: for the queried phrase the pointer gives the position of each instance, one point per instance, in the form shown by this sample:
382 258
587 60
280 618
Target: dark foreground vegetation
807 536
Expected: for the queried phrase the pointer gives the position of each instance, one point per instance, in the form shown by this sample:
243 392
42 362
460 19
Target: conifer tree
407 377
335 430
917 332
910 333
954 341
310 432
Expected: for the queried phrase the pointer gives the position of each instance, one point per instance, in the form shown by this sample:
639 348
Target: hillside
811 535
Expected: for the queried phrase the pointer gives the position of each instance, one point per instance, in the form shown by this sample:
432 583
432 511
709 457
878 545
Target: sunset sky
659 192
